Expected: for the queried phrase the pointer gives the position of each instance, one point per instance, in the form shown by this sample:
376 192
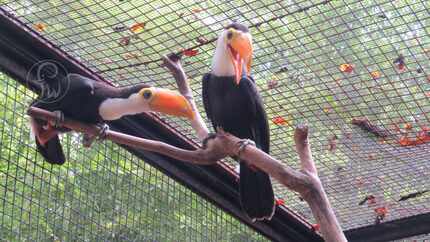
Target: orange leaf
137 27
40 27
196 10
190 52
405 141
407 126
375 74
347 68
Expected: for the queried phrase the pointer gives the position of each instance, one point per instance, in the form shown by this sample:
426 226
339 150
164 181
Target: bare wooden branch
305 182
211 155
173 63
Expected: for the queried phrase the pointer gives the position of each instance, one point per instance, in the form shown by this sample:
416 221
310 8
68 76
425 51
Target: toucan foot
206 140
59 119
243 143
104 128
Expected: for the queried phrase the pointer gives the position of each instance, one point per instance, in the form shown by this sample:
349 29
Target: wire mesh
323 62
100 194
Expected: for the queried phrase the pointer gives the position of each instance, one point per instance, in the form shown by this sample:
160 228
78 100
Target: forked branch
306 181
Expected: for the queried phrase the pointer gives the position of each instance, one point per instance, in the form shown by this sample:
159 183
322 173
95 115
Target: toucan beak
240 49
167 102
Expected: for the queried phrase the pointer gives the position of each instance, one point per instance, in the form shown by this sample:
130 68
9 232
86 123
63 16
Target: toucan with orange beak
93 102
232 101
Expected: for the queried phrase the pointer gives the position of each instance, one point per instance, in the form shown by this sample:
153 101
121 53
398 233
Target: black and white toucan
231 101
94 102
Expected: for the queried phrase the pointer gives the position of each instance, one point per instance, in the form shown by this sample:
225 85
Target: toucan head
238 43
166 101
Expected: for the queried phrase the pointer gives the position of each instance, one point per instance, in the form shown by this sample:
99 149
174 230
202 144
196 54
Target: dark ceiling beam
21 48
392 230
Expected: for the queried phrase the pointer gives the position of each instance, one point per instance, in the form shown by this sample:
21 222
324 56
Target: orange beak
240 49
167 102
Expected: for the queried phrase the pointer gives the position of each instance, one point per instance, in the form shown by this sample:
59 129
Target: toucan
232 102
94 102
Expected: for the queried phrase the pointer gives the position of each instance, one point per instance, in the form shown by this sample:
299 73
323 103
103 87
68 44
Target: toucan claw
59 119
104 128
206 140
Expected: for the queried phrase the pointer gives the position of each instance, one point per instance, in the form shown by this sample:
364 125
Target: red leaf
371 199
316 227
280 120
280 202
381 211
401 66
190 52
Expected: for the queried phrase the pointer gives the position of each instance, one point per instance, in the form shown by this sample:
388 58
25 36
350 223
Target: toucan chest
231 103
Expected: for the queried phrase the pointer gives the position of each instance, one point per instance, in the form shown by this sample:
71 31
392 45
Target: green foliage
100 194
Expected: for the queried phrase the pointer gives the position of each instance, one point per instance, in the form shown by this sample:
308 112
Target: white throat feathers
115 108
221 63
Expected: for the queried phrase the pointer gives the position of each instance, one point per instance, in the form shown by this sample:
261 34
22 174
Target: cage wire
321 62
101 194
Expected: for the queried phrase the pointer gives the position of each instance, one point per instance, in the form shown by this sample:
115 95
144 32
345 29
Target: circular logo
50 77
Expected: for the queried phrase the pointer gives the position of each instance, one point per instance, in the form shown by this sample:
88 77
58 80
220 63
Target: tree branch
172 62
305 182
211 155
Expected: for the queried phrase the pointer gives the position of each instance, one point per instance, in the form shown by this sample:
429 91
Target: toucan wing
261 126
206 88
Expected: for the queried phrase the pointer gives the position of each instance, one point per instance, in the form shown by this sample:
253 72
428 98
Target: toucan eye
230 34
147 94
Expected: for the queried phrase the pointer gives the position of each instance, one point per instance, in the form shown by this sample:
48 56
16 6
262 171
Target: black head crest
238 26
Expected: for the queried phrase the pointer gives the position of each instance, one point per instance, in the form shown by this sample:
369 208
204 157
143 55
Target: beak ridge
240 48
168 102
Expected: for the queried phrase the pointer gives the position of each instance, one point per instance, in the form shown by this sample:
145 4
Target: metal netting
323 62
101 194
